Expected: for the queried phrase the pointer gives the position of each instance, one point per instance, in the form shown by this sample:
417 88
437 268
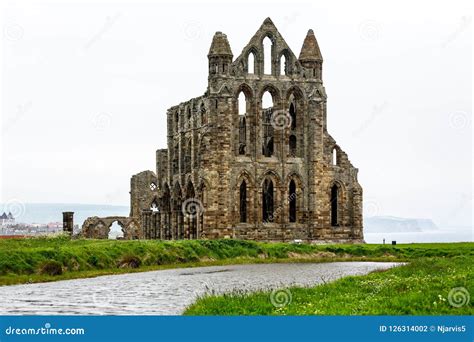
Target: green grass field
421 287
26 260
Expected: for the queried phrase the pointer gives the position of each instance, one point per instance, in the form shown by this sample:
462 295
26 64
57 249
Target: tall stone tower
253 171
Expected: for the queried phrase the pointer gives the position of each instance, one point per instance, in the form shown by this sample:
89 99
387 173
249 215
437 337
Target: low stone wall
99 227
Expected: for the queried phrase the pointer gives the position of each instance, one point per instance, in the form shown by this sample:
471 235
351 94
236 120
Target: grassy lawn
421 287
49 259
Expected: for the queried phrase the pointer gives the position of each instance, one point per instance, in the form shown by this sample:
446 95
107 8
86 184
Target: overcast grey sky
86 85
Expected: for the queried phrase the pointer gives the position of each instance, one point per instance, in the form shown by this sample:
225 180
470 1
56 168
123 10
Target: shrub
93 260
51 267
129 261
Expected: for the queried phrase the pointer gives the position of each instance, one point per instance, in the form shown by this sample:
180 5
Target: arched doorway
115 231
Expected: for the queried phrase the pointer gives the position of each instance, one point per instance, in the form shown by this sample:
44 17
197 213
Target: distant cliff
390 224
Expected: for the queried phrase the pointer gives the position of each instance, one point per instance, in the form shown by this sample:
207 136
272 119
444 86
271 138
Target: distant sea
443 234
52 212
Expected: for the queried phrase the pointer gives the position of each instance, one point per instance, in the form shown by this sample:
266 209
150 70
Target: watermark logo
371 208
459 120
192 30
369 30
376 111
104 298
109 22
280 120
15 207
13 32
280 298
102 121
458 297
464 23
192 207
22 109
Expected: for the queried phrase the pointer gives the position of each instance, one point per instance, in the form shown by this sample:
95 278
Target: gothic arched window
292 201
334 204
292 145
267 201
243 201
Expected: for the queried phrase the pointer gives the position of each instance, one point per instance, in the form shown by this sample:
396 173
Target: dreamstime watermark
280 120
464 199
102 121
22 109
47 329
15 207
109 21
276 212
465 22
459 120
103 298
13 32
369 30
458 297
192 30
281 298
290 19
376 111
371 208
192 207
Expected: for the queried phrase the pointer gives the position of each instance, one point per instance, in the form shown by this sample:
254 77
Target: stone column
146 222
68 222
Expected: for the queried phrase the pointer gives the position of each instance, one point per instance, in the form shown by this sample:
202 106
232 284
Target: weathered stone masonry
270 173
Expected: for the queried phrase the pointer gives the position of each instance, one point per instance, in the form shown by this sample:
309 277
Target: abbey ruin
246 169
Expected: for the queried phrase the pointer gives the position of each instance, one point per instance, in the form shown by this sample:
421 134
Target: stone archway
116 231
99 227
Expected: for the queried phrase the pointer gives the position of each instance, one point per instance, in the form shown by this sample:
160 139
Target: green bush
129 261
51 267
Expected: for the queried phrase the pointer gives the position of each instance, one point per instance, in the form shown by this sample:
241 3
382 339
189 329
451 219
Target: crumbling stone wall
99 227
268 174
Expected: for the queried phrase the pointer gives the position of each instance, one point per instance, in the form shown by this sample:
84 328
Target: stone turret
310 56
220 55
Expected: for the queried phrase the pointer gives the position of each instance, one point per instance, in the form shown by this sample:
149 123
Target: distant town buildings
10 228
7 219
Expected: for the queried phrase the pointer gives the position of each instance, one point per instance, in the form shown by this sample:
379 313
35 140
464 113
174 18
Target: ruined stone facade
99 227
254 171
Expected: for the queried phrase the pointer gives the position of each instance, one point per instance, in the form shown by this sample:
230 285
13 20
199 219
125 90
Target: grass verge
425 286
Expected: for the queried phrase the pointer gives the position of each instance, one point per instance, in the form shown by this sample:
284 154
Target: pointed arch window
267 112
292 145
242 135
334 205
267 55
251 63
292 201
203 115
243 202
292 111
267 201
283 65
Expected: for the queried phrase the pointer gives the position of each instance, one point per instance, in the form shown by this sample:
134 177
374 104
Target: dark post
68 222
